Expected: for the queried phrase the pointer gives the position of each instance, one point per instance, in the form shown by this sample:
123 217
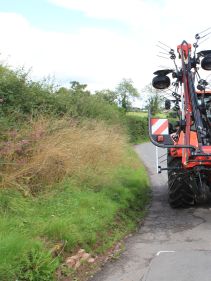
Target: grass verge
91 206
137 128
145 114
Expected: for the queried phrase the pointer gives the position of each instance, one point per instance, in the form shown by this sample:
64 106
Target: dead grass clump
55 149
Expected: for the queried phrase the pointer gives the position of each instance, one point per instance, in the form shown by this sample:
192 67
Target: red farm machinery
188 140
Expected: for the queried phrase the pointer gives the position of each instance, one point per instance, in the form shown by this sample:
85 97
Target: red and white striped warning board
159 126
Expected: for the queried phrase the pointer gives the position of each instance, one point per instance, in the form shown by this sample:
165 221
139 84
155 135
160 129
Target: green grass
137 128
69 213
91 210
137 123
145 114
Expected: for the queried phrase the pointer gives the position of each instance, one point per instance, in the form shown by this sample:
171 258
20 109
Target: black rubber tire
180 191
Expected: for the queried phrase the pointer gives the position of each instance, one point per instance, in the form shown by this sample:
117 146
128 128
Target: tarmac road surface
173 245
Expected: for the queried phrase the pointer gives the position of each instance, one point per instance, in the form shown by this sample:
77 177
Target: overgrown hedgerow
22 98
137 128
50 149
104 193
68 176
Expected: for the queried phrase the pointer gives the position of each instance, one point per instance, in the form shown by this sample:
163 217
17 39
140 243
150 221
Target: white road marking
161 252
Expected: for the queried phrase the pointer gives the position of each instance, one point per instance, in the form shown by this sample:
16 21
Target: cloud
129 11
149 21
180 17
98 56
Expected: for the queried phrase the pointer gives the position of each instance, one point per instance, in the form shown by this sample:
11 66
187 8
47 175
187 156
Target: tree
155 99
78 88
108 95
126 92
154 104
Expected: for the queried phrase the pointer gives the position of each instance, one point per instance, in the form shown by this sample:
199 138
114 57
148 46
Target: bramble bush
67 174
22 98
137 128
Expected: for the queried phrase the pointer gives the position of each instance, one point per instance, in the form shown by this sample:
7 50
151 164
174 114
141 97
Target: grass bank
137 128
145 114
65 186
137 123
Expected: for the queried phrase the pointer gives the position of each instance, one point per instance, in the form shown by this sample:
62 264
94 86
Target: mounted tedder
188 140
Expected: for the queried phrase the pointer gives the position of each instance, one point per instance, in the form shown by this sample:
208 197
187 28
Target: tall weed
50 150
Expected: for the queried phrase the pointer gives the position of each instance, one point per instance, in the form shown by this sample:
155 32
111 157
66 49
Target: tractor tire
180 188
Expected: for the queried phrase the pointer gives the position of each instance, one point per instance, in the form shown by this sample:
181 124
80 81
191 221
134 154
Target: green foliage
72 213
86 106
123 95
22 258
108 95
137 128
154 103
172 114
155 99
11 246
126 92
20 95
77 88
21 98
37 265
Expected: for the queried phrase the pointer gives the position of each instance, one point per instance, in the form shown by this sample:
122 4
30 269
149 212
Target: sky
97 42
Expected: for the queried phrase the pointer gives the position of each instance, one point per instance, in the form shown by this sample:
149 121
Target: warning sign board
159 126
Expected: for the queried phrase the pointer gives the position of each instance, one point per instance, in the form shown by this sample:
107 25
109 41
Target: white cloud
98 56
149 21
95 56
147 12
130 11
152 18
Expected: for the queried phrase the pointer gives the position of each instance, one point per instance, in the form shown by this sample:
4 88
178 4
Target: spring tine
162 155
162 66
164 53
162 48
163 57
204 40
165 45
204 30
205 35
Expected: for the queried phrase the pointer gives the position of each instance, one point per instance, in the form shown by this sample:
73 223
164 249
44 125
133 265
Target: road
170 245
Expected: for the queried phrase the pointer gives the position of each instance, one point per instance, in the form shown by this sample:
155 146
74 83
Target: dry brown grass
54 149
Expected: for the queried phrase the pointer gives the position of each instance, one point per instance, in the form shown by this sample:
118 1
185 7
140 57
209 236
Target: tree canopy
126 92
155 99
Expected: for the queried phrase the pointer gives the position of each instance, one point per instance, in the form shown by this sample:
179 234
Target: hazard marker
159 126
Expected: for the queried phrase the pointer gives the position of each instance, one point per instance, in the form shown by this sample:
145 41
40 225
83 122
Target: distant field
145 114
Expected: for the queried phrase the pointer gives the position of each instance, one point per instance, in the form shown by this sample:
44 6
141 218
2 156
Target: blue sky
44 14
50 17
97 42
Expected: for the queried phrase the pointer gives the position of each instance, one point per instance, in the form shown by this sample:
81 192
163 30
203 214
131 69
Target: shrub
21 95
52 149
22 98
137 128
73 142
82 104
